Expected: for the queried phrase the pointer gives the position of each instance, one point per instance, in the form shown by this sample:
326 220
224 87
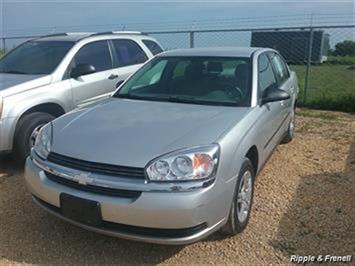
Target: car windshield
198 80
35 57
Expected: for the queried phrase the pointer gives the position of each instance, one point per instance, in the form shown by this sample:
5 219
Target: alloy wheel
244 196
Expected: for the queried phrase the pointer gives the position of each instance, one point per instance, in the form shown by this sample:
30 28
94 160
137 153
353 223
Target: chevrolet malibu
172 156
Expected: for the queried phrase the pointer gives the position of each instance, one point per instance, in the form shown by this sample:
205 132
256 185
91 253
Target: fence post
3 43
192 40
308 69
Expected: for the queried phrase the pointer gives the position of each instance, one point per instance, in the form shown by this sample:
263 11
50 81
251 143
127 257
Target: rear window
153 47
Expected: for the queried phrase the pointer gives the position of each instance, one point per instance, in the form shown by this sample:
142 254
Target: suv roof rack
66 34
54 35
117 32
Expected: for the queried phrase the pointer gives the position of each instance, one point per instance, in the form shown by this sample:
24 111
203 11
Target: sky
20 18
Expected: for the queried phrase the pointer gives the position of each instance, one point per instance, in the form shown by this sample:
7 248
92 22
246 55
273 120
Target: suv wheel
242 201
26 132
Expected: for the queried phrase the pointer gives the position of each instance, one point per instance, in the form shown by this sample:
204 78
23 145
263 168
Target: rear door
128 55
93 86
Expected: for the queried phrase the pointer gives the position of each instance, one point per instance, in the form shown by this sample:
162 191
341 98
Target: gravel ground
304 204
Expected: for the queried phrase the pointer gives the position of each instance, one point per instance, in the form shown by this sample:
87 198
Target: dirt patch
304 205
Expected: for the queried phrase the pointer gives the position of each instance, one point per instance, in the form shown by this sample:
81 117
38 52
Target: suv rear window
128 52
153 46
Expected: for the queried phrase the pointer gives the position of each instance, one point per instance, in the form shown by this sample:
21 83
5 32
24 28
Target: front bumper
154 216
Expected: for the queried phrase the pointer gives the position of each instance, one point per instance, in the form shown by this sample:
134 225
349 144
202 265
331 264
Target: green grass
341 60
331 87
316 114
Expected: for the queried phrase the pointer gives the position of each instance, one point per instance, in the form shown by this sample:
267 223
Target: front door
270 112
94 86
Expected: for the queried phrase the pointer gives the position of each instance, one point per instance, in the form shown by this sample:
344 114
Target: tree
345 48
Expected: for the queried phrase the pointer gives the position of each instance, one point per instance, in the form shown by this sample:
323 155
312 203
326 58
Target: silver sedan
172 156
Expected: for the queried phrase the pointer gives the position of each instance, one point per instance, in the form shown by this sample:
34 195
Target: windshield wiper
139 97
174 98
192 100
182 99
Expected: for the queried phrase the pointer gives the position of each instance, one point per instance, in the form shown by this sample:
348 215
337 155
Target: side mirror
82 69
274 94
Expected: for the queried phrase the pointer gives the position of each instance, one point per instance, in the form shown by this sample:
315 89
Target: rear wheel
242 201
26 132
290 130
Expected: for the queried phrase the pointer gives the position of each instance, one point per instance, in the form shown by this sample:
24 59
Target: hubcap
34 135
244 196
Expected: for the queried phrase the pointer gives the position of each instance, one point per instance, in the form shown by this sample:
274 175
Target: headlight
185 165
43 142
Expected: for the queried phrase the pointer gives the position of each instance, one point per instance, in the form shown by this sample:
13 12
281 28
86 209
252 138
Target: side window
266 75
281 70
179 70
153 46
128 52
96 54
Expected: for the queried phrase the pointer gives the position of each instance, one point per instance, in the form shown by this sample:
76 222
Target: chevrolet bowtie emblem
83 178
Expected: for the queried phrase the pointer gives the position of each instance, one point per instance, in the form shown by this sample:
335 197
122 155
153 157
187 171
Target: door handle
113 76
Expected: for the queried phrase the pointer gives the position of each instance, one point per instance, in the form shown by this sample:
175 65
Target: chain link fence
326 78
326 74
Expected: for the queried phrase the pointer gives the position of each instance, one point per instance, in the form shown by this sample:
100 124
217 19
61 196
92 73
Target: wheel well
253 156
50 108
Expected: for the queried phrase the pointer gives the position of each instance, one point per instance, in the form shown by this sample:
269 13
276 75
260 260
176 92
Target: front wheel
242 201
26 133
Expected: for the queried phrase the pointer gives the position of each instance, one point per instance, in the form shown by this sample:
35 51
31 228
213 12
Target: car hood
11 80
133 132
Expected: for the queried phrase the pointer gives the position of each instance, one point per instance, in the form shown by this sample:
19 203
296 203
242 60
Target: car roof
213 51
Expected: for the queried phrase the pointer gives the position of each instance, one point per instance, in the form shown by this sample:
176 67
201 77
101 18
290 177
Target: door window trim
280 82
66 74
273 72
117 62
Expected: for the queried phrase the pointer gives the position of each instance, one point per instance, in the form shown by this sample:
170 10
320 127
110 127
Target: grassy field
331 87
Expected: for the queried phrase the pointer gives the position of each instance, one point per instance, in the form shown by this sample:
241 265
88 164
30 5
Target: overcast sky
24 18
32 17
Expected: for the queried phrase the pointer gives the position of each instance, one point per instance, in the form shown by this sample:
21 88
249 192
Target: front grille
94 167
132 194
137 230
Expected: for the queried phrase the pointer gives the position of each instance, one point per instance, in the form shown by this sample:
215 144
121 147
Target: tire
24 138
234 224
290 130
